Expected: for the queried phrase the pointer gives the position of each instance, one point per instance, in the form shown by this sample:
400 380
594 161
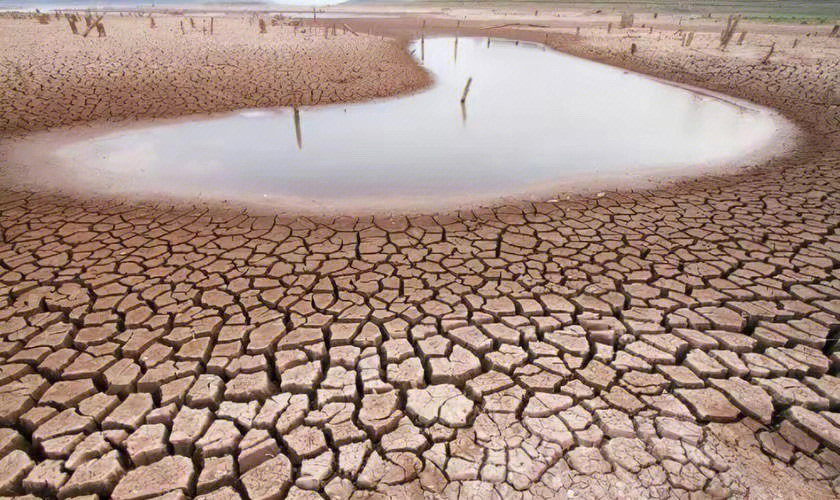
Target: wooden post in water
262 26
466 90
741 38
211 25
297 128
182 27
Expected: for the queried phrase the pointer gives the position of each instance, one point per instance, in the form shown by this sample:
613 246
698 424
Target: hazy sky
57 4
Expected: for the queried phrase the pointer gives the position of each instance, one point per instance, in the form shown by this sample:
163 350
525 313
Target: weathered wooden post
262 26
72 24
728 31
211 25
466 90
94 24
767 57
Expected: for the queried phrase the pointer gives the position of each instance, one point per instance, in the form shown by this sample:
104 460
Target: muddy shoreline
608 49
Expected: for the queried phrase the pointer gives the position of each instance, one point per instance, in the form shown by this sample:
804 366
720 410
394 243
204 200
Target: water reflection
297 128
537 119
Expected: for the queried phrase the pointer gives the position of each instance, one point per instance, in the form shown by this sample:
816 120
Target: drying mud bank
53 78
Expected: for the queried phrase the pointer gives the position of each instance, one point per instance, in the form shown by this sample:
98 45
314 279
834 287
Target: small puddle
535 122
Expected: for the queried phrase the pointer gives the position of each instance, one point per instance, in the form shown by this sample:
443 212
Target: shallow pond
534 123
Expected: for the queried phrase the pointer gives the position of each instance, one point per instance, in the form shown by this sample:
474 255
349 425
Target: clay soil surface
677 342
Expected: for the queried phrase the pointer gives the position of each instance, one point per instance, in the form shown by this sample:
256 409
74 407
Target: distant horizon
47 5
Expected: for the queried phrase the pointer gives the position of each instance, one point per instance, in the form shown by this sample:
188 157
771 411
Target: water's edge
33 154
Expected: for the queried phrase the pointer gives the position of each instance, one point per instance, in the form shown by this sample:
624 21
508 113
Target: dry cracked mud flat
677 342
139 72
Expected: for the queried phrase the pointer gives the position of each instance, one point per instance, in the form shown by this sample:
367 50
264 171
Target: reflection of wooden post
422 48
456 48
297 128
466 90
463 113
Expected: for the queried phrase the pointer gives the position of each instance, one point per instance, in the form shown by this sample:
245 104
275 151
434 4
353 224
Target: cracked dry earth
138 72
668 343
